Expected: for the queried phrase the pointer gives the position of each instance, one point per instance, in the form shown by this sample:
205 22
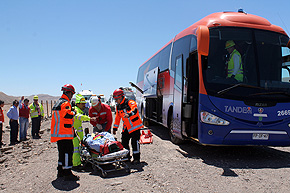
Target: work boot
136 162
60 174
71 177
77 168
129 159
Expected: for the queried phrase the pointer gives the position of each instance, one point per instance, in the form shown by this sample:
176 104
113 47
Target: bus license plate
260 136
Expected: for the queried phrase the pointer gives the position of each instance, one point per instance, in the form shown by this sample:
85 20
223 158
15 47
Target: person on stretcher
103 142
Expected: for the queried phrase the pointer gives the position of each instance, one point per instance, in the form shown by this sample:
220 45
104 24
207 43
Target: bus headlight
209 118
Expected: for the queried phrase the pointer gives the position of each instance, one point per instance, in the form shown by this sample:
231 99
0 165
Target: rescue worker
103 114
62 132
127 111
234 66
36 114
78 119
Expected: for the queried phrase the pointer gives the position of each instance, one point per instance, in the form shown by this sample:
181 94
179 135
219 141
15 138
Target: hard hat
95 101
80 99
118 93
68 88
35 97
229 43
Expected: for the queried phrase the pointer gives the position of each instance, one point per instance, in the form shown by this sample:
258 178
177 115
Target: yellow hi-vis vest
34 112
78 119
239 75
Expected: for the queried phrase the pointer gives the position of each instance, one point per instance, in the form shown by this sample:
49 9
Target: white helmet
95 101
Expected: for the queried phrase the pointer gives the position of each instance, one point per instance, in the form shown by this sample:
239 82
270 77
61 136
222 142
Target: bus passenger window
178 73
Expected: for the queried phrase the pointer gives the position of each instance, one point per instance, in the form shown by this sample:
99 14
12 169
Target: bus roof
236 19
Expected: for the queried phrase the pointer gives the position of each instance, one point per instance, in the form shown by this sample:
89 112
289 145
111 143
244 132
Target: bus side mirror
288 45
203 40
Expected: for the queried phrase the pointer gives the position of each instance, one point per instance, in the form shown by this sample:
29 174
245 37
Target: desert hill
42 97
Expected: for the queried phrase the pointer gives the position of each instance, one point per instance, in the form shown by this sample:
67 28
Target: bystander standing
1 122
36 114
23 118
13 115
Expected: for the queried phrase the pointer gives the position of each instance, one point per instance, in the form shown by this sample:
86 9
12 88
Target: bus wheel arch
173 138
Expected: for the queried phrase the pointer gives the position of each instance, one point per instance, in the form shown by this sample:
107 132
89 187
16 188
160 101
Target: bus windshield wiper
235 86
271 93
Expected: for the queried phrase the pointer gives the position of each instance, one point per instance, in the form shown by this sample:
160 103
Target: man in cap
78 119
103 114
234 66
36 114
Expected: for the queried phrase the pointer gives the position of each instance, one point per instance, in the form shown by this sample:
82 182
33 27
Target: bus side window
178 73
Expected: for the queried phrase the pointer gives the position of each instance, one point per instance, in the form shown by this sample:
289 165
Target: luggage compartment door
150 83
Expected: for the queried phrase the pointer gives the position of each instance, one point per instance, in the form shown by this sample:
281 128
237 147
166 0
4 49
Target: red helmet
118 93
68 88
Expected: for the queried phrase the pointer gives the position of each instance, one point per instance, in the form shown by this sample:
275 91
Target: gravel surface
30 166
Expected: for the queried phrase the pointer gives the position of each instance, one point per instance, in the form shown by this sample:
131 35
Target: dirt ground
31 167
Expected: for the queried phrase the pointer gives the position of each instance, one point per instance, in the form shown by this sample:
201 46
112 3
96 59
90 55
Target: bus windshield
254 57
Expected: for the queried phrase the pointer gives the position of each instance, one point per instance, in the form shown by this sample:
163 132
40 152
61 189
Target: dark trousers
13 131
65 155
35 126
135 137
1 131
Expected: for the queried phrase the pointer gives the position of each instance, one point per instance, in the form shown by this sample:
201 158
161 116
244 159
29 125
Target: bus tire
173 138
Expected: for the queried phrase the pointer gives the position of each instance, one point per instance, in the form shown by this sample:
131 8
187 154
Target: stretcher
98 159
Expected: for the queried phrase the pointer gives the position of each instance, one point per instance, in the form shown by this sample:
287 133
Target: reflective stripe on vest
80 129
57 127
79 116
131 124
135 128
76 150
34 114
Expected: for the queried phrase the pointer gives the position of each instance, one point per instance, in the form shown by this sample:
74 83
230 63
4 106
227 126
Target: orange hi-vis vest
62 120
134 121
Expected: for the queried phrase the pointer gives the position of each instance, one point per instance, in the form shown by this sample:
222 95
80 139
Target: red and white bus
185 86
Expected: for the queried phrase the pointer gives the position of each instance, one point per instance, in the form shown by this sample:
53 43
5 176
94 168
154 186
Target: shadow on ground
62 185
230 157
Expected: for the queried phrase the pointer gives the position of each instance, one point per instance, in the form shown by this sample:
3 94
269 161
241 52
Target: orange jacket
62 120
133 123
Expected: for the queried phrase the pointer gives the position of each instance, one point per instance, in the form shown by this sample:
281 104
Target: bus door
177 96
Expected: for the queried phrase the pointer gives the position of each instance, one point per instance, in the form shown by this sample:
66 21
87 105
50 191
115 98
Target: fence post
51 108
47 109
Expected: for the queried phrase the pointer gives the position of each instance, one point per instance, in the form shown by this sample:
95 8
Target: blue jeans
23 127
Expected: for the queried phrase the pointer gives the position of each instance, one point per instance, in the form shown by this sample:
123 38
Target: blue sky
98 43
